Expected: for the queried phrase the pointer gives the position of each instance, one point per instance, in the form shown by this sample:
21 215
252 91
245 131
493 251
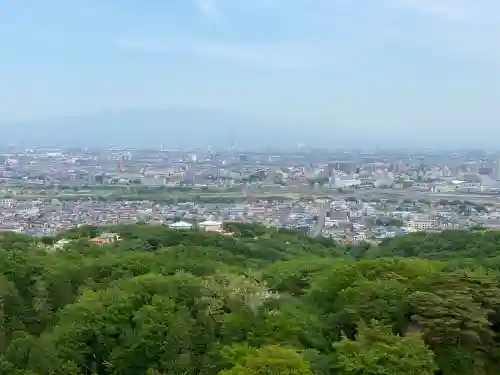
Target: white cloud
465 12
467 26
209 9
293 56
272 56
460 28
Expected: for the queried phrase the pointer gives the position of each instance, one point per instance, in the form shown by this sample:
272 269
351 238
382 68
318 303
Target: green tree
457 328
365 300
268 360
377 351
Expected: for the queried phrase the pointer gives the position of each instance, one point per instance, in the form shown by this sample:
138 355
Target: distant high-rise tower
122 163
331 169
91 179
189 174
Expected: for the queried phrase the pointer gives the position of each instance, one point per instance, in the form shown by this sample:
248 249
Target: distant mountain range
149 128
191 127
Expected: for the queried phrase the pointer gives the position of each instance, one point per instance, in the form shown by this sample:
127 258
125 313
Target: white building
422 225
344 183
211 226
181 225
61 244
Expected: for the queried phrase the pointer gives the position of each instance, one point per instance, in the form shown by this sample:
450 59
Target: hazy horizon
415 72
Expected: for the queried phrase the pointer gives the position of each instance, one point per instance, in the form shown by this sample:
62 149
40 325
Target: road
433 197
390 194
320 223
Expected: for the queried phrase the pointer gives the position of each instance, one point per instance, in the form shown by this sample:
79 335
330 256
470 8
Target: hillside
160 301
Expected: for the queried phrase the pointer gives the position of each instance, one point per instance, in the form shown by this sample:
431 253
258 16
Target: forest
257 301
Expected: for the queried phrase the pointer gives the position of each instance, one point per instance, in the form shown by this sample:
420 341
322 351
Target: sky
426 68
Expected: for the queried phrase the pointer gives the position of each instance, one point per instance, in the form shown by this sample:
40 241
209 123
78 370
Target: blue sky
398 65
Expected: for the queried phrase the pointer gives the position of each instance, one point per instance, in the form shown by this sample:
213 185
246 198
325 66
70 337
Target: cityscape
348 196
250 187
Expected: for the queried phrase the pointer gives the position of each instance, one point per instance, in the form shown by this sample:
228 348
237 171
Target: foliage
445 245
260 301
378 351
268 360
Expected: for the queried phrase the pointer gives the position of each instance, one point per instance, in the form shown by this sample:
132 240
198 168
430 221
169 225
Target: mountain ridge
172 127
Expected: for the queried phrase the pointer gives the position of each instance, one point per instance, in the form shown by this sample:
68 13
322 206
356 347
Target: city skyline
419 70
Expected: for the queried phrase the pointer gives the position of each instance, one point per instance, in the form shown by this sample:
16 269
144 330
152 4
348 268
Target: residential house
106 238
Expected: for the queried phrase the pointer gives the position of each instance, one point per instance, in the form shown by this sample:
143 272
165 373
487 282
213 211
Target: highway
430 196
385 194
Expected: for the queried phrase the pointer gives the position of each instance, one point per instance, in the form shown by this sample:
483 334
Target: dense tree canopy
257 301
